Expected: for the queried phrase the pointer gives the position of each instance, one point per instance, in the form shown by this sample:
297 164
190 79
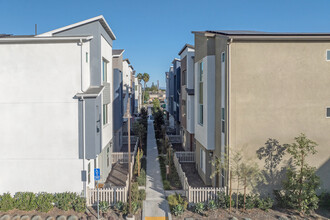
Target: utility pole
128 116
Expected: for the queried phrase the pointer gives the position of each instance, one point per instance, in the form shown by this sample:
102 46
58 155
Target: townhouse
187 97
118 110
56 108
251 86
137 95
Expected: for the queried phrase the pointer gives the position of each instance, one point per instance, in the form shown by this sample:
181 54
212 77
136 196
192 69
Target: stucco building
251 86
187 97
56 108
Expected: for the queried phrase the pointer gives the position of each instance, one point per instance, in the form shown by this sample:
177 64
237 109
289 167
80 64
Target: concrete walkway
155 207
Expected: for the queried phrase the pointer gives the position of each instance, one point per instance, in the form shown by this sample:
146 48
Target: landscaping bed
173 181
250 214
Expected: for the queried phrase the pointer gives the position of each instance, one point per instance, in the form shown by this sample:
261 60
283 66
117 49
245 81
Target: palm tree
145 78
139 76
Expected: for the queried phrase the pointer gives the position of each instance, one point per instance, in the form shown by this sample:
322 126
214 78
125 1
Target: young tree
156 105
219 164
249 172
301 183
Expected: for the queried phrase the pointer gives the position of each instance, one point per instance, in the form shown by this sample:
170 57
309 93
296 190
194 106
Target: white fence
121 157
113 194
185 157
193 194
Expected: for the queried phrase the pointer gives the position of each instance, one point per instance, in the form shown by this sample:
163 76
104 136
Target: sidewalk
155 207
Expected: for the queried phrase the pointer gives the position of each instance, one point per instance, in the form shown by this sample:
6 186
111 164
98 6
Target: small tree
219 164
140 130
156 105
301 184
249 172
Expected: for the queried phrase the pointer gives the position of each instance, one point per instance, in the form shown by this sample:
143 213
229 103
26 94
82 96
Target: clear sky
153 31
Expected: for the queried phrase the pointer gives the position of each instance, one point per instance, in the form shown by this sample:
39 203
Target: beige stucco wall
205 176
279 90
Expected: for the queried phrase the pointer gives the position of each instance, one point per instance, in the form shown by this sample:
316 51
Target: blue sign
97 174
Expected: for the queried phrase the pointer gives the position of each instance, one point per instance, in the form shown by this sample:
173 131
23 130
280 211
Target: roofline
118 55
268 36
46 39
184 47
176 59
127 60
84 95
97 18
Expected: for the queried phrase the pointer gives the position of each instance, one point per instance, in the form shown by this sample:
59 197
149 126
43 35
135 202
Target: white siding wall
205 134
39 117
107 133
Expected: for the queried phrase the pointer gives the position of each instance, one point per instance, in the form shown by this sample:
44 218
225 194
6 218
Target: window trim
105 122
104 76
200 81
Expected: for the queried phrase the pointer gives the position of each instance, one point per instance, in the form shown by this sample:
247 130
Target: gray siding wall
94 29
92 128
118 99
106 93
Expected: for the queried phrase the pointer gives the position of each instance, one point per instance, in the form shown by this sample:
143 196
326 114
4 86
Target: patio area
191 173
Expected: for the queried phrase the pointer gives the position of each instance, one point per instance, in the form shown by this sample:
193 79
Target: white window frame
200 106
105 70
202 160
105 112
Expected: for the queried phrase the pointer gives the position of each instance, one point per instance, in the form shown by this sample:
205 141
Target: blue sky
153 31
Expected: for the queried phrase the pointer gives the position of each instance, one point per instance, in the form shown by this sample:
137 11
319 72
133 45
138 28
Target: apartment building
251 86
118 109
137 95
187 97
56 108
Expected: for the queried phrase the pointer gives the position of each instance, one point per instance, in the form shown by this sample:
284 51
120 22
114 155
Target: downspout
228 104
83 118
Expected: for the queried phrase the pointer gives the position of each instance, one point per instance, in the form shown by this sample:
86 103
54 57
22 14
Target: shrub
264 203
79 204
211 205
104 206
175 200
25 201
250 201
119 206
64 201
142 178
199 208
44 201
6 202
177 210
135 206
142 194
167 185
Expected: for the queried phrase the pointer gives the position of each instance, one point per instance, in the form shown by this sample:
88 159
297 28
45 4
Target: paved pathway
155 207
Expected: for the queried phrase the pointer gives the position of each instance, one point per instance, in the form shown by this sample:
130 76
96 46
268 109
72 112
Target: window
202 160
184 78
328 55
89 173
328 112
223 58
223 120
108 156
105 114
86 57
200 118
105 70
